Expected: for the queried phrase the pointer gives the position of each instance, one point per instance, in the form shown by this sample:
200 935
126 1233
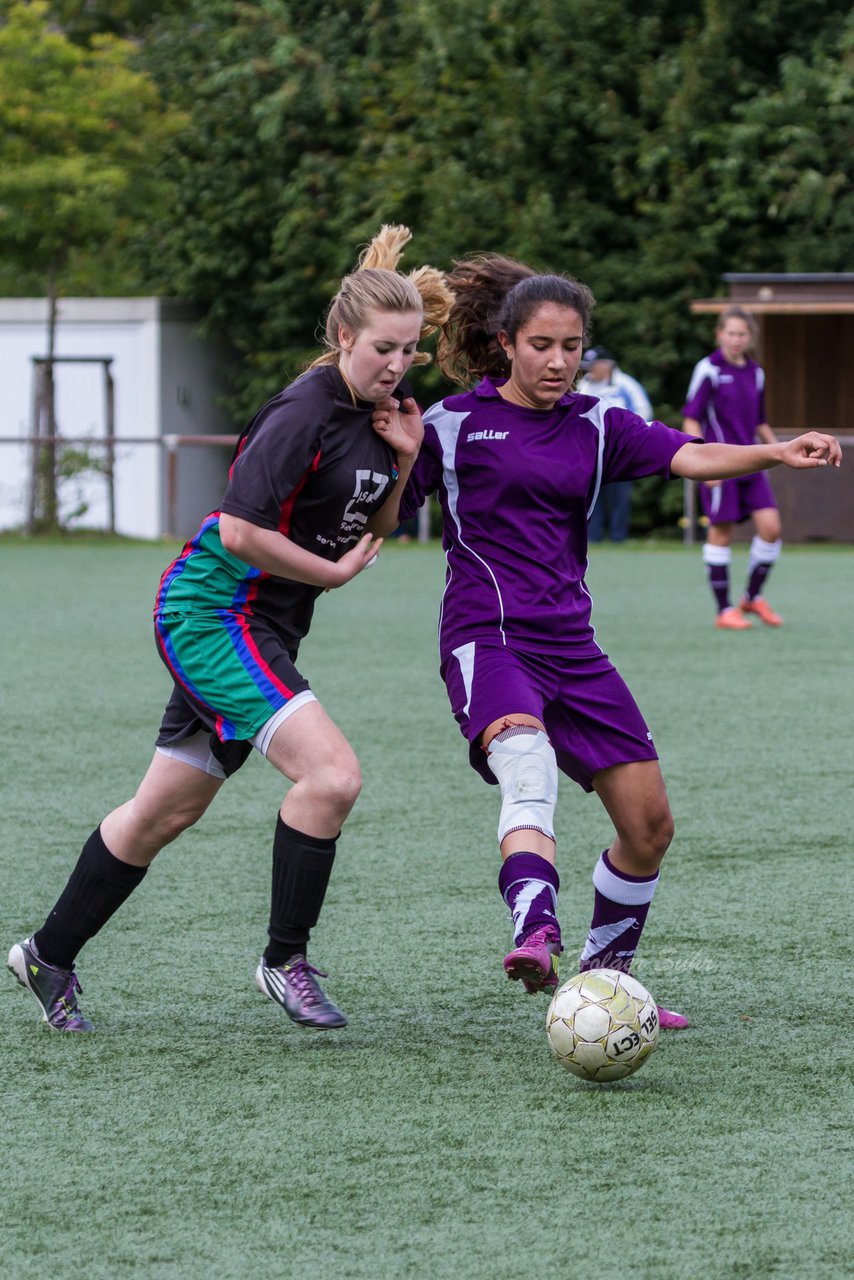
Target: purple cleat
535 960
294 986
670 1020
55 989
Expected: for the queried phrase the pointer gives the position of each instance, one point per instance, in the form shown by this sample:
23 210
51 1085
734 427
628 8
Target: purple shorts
592 720
735 500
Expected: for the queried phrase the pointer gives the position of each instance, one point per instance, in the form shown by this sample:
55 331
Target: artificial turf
197 1134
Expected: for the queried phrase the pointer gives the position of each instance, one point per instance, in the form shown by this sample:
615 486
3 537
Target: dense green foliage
80 133
646 146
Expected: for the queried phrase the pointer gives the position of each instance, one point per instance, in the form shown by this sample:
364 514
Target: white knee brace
524 764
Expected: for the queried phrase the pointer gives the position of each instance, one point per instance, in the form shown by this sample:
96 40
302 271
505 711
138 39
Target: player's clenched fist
812 450
400 426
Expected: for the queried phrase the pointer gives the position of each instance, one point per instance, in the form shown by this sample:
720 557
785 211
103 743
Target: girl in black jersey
309 473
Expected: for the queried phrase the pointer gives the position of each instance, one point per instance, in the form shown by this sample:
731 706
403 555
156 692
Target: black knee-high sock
96 888
302 866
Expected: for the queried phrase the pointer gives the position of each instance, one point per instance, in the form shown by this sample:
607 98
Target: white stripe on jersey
447 427
714 424
702 370
596 415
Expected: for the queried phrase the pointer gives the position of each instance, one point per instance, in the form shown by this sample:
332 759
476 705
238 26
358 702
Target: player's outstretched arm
726 461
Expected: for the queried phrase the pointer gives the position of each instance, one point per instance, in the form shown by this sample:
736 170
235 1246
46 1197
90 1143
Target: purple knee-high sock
619 912
529 885
756 581
763 557
717 561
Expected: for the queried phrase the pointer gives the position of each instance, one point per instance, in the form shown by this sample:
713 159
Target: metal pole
689 508
170 443
36 432
49 515
110 463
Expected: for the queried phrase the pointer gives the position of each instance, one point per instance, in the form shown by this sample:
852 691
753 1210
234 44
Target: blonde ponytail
376 284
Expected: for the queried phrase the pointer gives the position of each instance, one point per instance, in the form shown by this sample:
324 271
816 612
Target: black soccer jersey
309 465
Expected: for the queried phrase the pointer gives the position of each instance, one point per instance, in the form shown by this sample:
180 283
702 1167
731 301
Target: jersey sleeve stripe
704 369
596 416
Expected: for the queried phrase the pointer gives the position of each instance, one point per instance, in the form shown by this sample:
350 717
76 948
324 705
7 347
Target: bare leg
626 875
171 797
311 750
766 522
720 535
635 798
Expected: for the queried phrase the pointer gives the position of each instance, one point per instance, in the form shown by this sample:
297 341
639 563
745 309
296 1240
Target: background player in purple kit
726 403
309 473
517 463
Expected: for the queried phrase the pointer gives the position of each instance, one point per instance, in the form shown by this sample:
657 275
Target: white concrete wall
190 388
154 350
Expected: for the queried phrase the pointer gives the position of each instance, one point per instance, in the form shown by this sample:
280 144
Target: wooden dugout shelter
806 346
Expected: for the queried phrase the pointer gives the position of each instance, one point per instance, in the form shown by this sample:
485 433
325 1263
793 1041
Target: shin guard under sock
302 865
529 885
717 561
620 909
96 888
763 557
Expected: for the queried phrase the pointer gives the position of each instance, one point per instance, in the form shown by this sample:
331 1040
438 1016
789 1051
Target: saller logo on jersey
486 435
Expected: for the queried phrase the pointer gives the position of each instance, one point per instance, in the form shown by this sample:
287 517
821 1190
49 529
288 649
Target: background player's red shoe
732 619
763 610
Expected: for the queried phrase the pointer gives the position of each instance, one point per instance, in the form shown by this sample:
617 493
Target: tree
645 146
80 130
83 19
787 177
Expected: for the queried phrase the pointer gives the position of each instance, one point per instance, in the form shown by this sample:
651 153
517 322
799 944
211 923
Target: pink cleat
535 960
732 620
763 611
671 1021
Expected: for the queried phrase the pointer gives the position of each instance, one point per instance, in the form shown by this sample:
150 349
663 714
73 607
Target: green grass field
198 1135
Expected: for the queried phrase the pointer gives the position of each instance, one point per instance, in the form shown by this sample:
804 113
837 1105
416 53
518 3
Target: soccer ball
602 1024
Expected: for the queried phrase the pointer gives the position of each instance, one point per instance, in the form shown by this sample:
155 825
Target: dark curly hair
493 295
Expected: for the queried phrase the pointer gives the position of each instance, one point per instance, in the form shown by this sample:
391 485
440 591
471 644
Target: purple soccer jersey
728 400
516 487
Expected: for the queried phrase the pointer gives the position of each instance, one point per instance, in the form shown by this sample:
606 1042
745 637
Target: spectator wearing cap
604 379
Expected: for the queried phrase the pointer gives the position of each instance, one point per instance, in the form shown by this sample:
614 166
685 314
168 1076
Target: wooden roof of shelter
816 293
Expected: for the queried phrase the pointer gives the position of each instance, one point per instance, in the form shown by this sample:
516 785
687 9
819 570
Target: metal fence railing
168 444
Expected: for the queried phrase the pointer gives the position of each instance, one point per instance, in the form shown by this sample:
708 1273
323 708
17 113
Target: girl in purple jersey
726 402
517 463
309 475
